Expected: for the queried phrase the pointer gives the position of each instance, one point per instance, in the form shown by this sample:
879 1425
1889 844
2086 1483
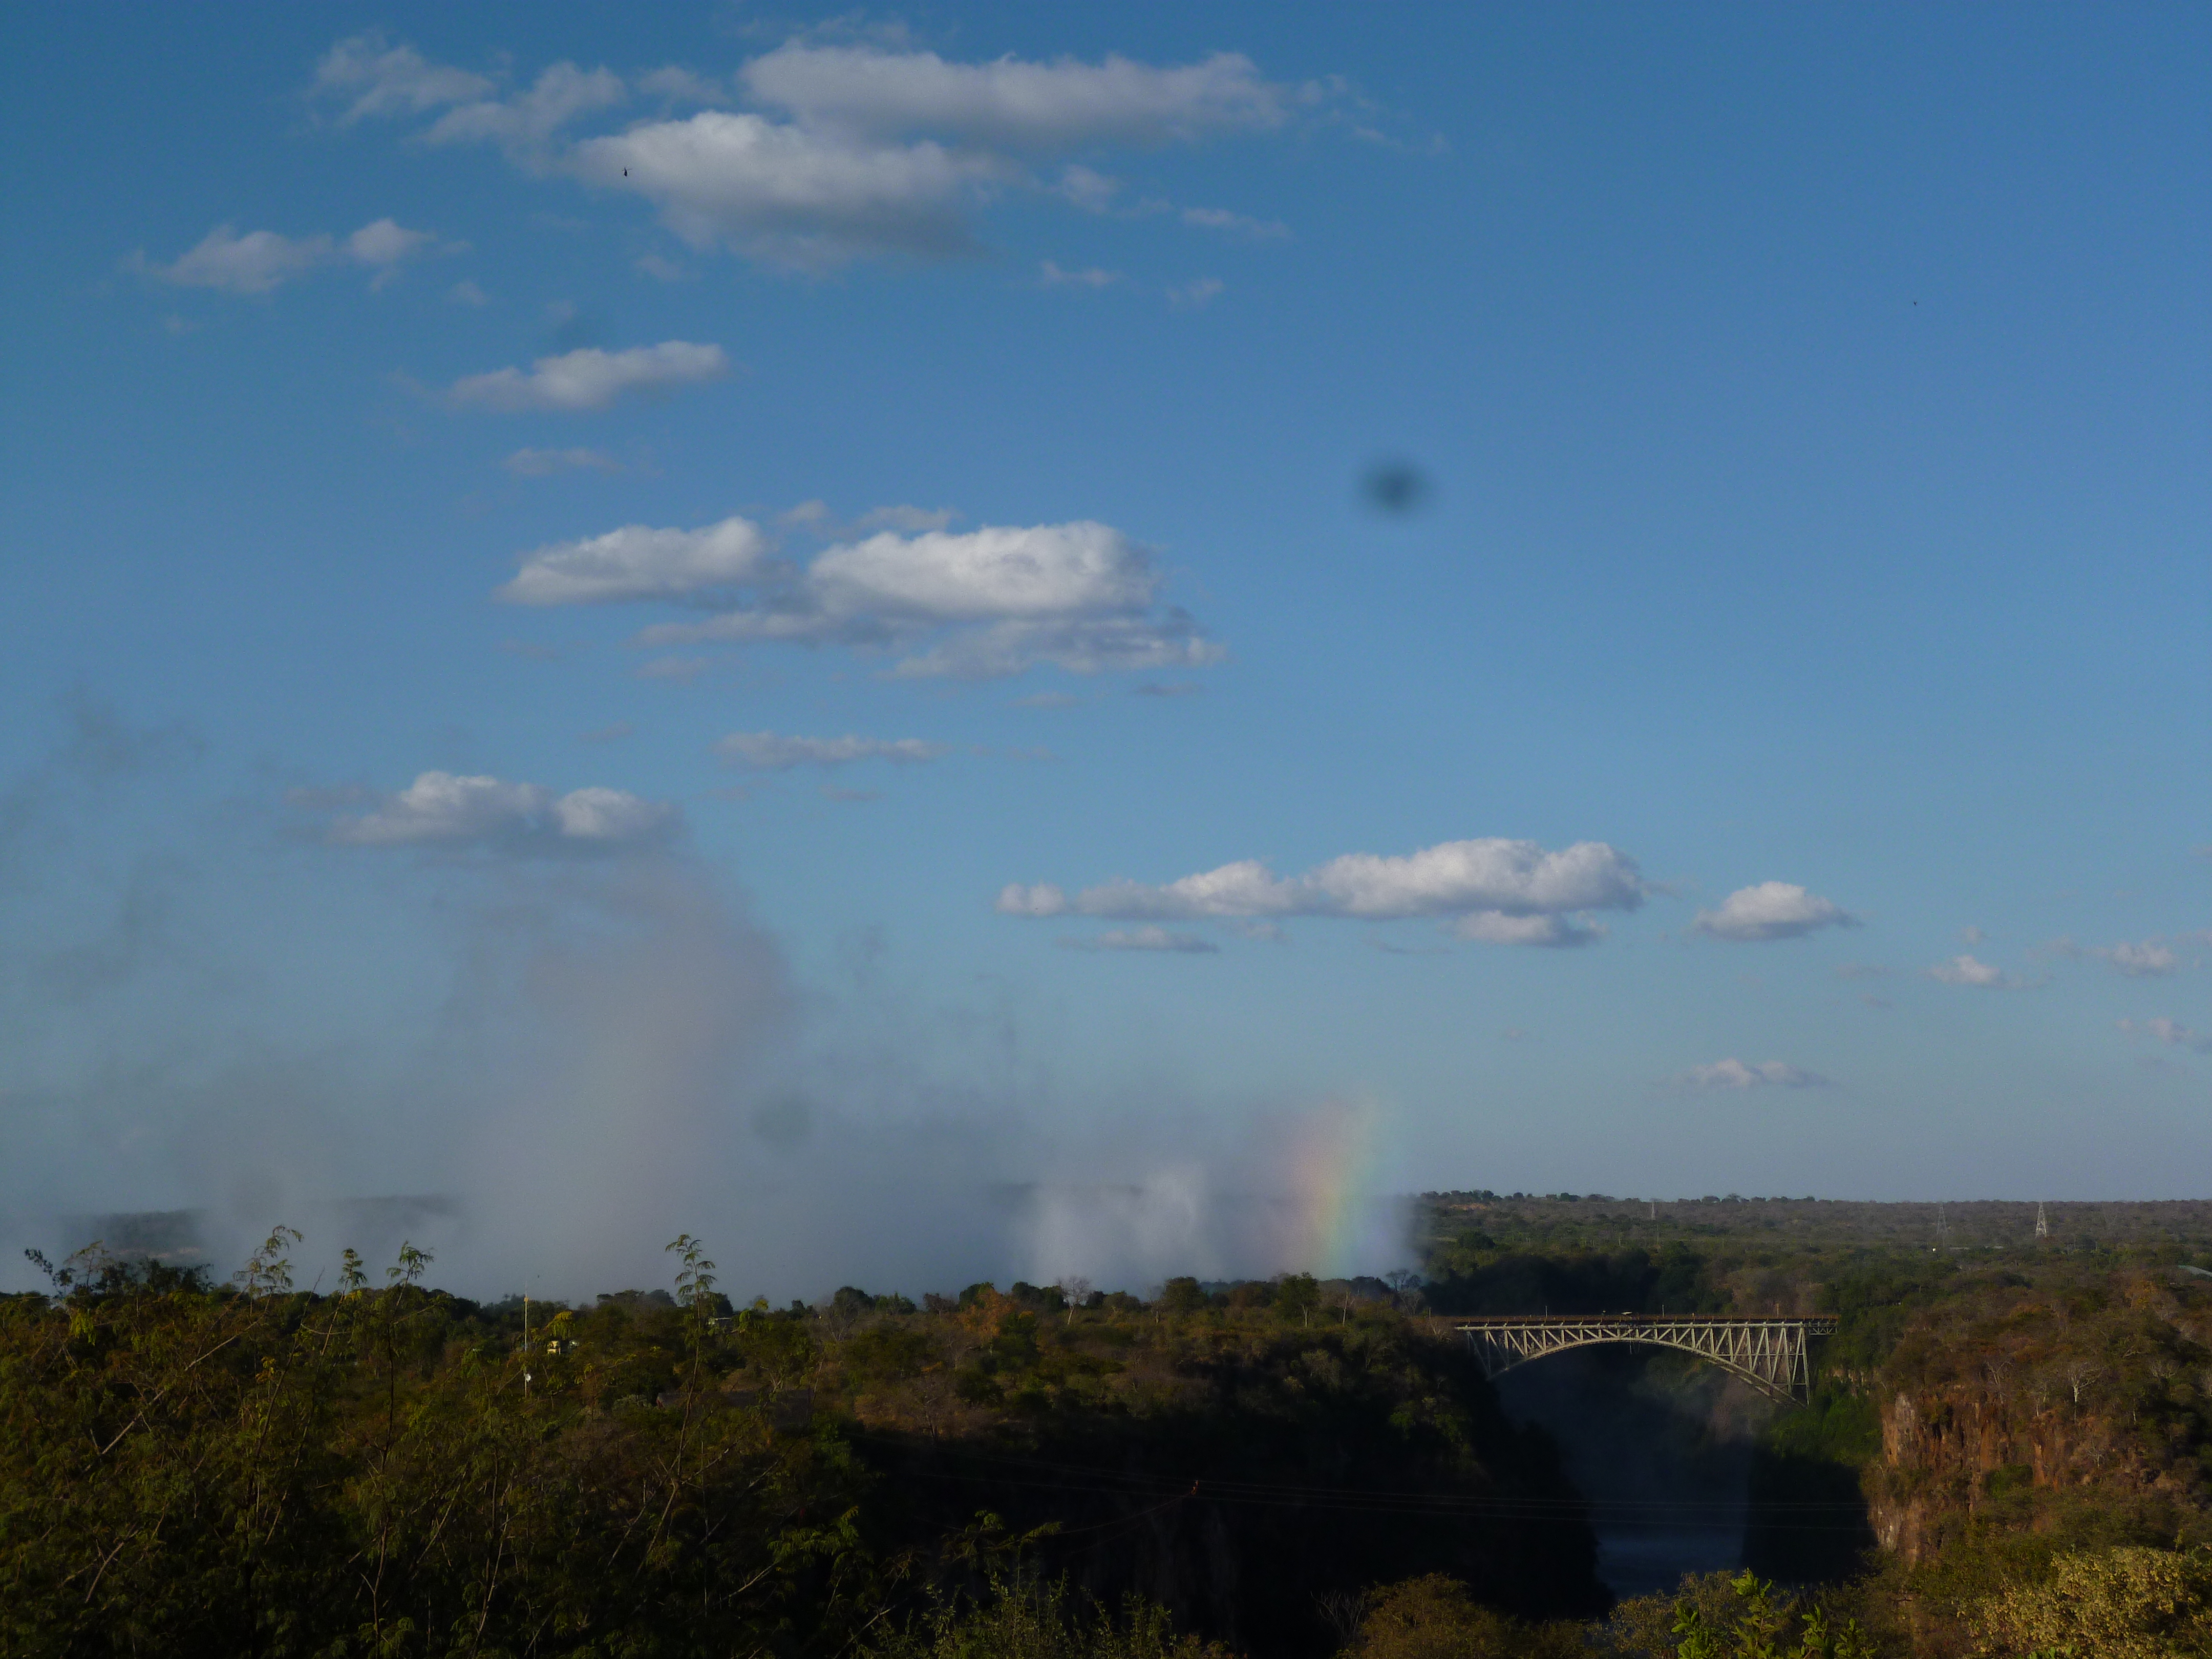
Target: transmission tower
2042 1221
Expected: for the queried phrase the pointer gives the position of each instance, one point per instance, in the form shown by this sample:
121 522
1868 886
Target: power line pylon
2042 1221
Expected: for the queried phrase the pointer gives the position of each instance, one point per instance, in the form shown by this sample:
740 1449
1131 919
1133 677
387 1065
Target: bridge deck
1771 1354
1815 1324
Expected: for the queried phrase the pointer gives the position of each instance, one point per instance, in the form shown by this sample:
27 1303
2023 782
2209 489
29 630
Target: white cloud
381 80
909 519
1001 598
1733 1073
1080 646
1013 103
524 123
869 152
1042 571
1143 939
2150 958
2167 1030
467 293
256 263
543 463
441 808
1237 224
679 85
638 563
1051 276
786 196
682 670
1500 892
609 816
1200 292
261 261
1495 927
1968 970
1092 192
1043 900
384 242
1771 910
592 379
769 753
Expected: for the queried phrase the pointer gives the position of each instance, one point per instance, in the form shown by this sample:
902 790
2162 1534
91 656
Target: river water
1661 1446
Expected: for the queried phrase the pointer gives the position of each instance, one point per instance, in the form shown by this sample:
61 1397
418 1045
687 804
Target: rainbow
1335 1156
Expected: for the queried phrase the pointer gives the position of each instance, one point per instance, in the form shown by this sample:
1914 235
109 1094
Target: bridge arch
1772 1355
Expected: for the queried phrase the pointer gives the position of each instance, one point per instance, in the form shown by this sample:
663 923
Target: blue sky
917 518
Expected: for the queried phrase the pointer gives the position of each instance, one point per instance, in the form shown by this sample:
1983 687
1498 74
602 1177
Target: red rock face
2035 1392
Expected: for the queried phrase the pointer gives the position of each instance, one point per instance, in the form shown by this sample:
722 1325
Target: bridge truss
1769 1354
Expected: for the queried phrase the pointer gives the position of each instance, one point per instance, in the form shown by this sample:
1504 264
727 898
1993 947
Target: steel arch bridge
1769 1354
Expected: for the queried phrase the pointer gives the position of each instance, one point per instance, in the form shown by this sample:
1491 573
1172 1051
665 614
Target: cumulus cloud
909 519
2167 1030
2139 960
862 151
1969 971
543 463
1733 1073
1499 891
639 563
256 263
1149 937
768 751
384 242
1051 276
1092 191
2150 958
997 599
1012 103
679 85
261 261
1771 910
442 808
1043 900
373 78
591 379
786 196
524 124
1495 927
1237 224
1087 645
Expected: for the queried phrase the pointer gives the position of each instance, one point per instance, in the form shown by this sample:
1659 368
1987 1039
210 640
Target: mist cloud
543 1068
